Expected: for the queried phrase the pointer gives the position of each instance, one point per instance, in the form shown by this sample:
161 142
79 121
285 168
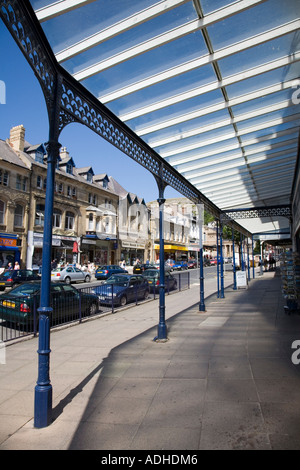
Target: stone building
85 215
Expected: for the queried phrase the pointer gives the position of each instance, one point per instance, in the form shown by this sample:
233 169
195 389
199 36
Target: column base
43 406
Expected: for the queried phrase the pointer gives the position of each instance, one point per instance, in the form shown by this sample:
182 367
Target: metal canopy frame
210 153
213 137
76 104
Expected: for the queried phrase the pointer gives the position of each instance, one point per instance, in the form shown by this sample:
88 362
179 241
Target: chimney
17 137
64 153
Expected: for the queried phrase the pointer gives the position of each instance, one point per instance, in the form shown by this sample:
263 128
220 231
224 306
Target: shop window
70 221
56 218
2 212
18 216
40 215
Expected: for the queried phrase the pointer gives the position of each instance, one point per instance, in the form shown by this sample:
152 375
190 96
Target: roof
10 155
211 86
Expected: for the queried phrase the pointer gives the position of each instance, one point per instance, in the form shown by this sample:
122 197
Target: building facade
84 215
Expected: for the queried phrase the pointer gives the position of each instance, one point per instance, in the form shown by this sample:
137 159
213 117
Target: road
8 332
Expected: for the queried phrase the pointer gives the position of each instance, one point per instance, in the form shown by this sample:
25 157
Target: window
18 182
4 178
40 215
91 223
39 182
59 188
69 222
56 218
39 157
89 177
18 217
71 191
24 184
92 199
21 183
69 168
2 212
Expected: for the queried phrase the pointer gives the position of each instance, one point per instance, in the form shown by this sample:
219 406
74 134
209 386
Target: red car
213 262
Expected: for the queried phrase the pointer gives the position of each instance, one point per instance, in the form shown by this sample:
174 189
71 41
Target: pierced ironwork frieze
17 21
257 212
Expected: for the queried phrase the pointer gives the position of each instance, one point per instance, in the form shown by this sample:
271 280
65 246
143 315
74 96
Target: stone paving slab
223 380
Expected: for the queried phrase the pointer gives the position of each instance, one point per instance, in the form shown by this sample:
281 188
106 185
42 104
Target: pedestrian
16 266
9 267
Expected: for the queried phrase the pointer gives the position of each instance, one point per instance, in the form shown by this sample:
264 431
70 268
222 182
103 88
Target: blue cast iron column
200 215
43 389
162 334
221 261
253 267
218 268
242 254
233 262
248 260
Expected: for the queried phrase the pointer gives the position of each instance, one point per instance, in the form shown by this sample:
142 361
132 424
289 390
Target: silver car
69 274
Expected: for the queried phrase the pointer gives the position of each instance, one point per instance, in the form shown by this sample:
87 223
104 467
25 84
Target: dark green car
152 276
20 305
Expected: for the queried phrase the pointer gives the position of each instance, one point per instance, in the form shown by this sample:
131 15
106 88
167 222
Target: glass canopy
211 85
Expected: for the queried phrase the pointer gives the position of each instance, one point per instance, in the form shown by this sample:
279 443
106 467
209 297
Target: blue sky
25 104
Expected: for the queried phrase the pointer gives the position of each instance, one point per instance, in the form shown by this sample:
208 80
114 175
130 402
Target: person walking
16 266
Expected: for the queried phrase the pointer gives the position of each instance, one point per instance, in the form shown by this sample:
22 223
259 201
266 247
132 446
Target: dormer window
69 168
89 177
39 157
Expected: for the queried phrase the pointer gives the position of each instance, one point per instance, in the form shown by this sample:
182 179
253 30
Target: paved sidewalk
223 380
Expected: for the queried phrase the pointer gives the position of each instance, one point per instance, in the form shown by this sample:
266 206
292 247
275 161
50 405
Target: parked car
152 276
140 268
14 277
18 305
105 272
69 274
192 264
168 266
121 289
179 265
213 262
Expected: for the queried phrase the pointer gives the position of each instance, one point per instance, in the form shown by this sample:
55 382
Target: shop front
174 252
62 248
132 252
97 251
9 249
